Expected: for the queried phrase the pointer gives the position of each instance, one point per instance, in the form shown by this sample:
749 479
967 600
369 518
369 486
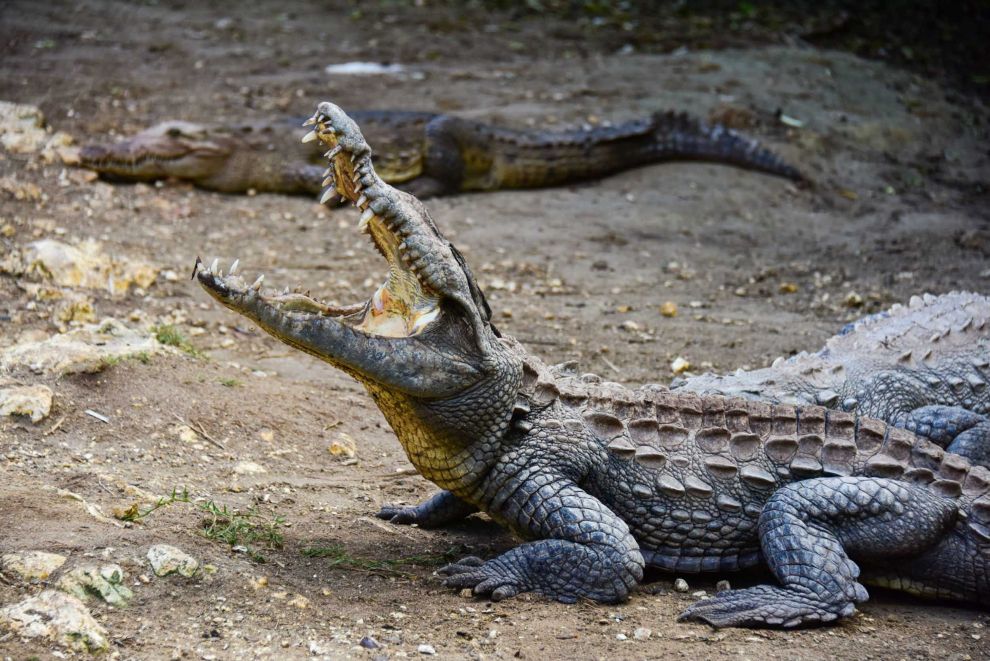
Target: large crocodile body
604 480
924 366
423 153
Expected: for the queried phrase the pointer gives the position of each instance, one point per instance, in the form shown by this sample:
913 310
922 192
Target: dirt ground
756 266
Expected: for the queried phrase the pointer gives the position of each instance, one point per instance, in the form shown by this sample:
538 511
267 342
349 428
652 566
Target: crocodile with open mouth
605 480
424 153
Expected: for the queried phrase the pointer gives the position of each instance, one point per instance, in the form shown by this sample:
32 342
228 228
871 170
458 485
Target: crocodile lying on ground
924 366
425 154
606 480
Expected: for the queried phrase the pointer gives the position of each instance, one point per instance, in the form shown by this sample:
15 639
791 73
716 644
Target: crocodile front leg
438 510
956 429
585 550
807 529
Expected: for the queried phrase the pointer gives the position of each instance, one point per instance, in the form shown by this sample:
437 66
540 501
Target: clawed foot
399 514
768 606
484 578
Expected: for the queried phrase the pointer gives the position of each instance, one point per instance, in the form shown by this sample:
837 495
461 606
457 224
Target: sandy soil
756 267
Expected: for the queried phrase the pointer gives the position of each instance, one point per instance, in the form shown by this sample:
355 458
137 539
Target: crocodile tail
680 136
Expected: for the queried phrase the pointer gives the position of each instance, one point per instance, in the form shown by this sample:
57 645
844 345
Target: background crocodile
426 154
924 366
606 480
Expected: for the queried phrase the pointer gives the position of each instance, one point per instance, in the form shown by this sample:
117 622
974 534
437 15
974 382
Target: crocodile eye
174 133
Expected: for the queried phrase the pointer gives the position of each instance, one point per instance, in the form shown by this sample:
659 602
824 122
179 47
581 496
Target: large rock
167 560
86 349
23 131
31 565
32 401
58 617
106 583
85 265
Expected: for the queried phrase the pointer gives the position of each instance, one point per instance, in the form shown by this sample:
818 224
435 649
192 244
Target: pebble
621 636
680 365
642 633
722 586
249 468
426 649
166 559
680 585
668 309
369 643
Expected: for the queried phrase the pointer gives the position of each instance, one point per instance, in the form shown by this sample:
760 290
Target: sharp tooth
328 195
256 285
330 153
329 129
361 201
309 137
233 267
423 320
358 187
378 301
365 219
215 265
328 172
329 180
310 121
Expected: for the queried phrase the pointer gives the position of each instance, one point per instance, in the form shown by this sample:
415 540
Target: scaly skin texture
924 366
603 480
423 153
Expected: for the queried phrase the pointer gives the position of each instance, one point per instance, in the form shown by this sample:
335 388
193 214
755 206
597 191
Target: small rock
249 468
621 636
668 309
343 446
680 365
32 401
642 633
369 643
852 300
788 288
299 601
166 559
57 616
700 594
630 325
105 582
426 649
722 586
186 433
32 565
680 585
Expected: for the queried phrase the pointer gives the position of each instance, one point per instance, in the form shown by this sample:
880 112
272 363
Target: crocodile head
423 344
171 149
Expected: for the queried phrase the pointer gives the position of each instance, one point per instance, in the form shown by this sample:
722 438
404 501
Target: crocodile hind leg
585 550
956 429
438 510
807 532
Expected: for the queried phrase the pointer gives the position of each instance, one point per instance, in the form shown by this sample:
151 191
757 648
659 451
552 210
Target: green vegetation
171 336
247 529
134 514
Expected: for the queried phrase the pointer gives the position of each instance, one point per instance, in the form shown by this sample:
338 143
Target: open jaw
404 305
